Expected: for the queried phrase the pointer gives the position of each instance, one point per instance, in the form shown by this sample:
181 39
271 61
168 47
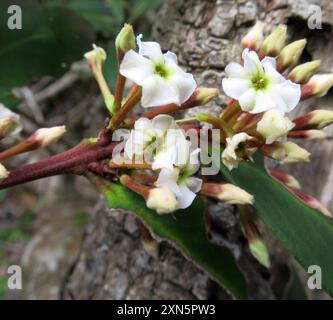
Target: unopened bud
274 125
302 73
317 119
307 134
9 122
317 86
290 54
254 38
125 40
3 172
286 152
7 125
312 202
162 200
205 95
274 43
259 250
47 136
227 193
95 57
285 178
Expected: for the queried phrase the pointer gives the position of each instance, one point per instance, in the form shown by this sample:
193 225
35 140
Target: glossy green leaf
186 230
51 38
304 231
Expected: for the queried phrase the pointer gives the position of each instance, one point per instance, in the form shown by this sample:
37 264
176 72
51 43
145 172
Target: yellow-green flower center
259 81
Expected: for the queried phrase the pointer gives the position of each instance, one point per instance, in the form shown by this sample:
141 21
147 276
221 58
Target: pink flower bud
47 136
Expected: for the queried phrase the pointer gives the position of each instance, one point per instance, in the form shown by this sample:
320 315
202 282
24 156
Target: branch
73 161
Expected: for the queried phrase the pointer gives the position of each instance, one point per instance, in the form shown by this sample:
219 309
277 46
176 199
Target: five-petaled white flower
180 180
147 136
258 86
159 75
236 150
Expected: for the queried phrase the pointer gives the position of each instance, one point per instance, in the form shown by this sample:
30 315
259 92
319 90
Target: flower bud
286 152
317 119
303 72
307 134
290 54
285 178
205 95
47 136
312 202
97 56
274 43
254 38
259 250
162 200
125 40
227 193
3 172
7 125
317 86
9 122
274 125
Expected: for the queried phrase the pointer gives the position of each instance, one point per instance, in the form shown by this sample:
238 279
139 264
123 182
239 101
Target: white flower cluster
163 144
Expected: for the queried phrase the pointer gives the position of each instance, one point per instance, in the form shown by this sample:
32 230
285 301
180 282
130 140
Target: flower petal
170 57
163 122
193 162
149 49
194 184
290 93
235 87
168 178
186 197
251 62
235 70
247 100
183 83
135 67
143 124
156 92
269 65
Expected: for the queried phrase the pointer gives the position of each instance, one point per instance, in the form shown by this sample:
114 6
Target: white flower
159 75
173 151
180 181
5 114
258 86
236 143
147 135
274 125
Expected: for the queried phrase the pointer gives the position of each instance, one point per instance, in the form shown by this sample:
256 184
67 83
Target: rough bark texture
112 263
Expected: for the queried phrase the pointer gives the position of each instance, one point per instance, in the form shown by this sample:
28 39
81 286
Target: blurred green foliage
56 33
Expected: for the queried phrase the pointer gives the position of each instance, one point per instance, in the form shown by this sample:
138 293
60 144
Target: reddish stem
72 161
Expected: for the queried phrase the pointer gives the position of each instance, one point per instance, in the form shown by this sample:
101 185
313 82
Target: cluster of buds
10 126
264 87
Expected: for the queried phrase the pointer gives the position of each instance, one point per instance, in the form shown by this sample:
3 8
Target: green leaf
304 231
185 229
51 38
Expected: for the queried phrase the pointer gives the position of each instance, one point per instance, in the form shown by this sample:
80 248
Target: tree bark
205 35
